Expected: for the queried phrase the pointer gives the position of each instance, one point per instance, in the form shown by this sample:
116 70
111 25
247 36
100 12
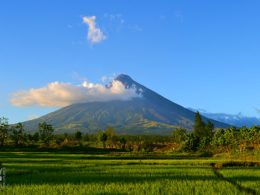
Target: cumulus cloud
95 35
58 94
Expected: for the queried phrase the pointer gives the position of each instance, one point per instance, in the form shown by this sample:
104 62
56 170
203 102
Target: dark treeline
204 138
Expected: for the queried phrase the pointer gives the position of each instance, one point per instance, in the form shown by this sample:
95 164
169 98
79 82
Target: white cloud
95 35
58 94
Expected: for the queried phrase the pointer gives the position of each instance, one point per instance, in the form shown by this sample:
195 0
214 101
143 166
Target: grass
248 177
57 173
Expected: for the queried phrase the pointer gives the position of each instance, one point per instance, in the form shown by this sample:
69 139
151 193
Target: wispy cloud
95 35
58 94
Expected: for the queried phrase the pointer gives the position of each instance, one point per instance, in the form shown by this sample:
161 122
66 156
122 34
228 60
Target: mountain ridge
238 120
150 113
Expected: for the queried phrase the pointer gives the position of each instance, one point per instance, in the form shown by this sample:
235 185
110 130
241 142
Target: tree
4 127
78 136
191 143
209 129
86 137
46 131
218 138
204 143
103 139
122 141
255 132
231 138
248 135
36 137
18 135
111 136
199 126
179 135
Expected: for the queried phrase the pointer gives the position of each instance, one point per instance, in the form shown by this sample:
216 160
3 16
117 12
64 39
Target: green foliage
248 135
86 137
111 137
33 138
203 133
236 139
209 130
204 143
103 138
78 136
36 137
179 135
199 126
46 132
191 143
4 127
218 138
18 134
231 137
208 140
123 142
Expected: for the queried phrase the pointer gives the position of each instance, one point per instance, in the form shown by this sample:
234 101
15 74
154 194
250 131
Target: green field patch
56 173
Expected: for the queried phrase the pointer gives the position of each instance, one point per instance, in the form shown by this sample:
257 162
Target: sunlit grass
50 173
246 177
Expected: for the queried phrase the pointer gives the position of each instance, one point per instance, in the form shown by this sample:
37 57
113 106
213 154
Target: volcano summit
146 113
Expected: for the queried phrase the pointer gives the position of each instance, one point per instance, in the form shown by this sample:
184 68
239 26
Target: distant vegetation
203 138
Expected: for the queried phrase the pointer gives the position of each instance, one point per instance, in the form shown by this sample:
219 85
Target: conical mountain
150 113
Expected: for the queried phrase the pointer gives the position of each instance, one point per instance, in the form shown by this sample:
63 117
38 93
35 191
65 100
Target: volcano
149 113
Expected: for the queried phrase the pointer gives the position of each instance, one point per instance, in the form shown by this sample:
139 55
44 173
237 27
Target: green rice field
57 173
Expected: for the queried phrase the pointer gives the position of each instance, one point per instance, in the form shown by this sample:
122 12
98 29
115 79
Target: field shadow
105 155
96 174
234 180
102 178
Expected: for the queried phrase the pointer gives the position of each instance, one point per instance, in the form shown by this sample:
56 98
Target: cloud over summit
58 94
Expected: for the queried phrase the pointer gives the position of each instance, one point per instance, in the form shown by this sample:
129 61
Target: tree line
204 137
17 136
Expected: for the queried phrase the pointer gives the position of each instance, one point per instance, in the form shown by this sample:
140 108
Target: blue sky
200 54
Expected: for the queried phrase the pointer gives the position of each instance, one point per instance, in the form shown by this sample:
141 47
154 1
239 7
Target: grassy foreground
56 173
